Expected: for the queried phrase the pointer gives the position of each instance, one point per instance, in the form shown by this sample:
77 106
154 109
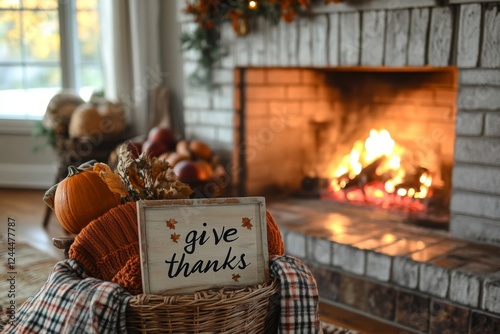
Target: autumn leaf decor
245 222
210 14
148 178
171 223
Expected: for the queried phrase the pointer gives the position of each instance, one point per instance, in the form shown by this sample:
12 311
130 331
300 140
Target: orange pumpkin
82 197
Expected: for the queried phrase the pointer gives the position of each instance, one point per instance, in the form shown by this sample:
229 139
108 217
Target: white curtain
130 43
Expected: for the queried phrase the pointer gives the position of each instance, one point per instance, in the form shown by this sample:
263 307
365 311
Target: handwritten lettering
180 266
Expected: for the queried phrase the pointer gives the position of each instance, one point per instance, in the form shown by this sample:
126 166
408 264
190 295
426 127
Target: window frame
69 58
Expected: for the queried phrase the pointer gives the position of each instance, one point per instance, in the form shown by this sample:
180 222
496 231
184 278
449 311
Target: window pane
12 77
86 4
88 34
10 36
38 4
43 76
9 3
91 76
19 103
41 31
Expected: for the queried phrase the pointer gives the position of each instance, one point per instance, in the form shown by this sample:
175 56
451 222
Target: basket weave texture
253 309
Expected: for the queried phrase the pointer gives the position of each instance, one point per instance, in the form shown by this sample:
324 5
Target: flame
381 152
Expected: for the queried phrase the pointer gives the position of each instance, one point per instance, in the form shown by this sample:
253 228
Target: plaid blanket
299 296
72 302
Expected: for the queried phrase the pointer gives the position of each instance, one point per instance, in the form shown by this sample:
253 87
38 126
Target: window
46 46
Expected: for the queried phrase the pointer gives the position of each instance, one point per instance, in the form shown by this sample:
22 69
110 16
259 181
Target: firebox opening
361 136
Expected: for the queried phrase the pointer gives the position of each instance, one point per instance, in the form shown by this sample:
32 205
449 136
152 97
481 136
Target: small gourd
82 197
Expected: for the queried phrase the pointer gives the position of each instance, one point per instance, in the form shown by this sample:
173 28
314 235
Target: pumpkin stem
72 170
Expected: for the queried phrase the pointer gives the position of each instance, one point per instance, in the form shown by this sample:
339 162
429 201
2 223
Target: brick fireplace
379 34
450 56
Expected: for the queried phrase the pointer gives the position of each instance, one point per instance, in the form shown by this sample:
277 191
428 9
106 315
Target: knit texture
105 245
274 239
129 277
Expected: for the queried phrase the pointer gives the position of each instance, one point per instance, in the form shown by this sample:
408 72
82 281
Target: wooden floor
28 209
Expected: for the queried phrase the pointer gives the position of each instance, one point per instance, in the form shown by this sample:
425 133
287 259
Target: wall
21 168
462 33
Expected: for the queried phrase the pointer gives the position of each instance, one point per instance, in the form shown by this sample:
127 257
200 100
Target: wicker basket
253 309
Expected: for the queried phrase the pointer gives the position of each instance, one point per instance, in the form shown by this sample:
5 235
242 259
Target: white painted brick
293 42
202 132
405 272
492 125
350 38
440 36
476 178
396 39
350 259
319 41
333 39
372 38
478 150
465 288
490 55
472 228
418 36
227 42
295 244
479 77
223 97
272 44
283 43
479 98
434 280
223 76
191 116
378 266
469 35
305 42
469 123
321 250
225 135
485 206
214 117
242 53
198 101
257 41
491 294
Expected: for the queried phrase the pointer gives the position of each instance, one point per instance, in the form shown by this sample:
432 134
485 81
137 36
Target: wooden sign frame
195 244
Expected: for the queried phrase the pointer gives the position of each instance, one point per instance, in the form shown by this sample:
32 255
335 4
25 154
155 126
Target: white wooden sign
195 244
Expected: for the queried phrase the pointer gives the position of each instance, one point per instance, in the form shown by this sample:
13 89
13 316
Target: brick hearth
375 263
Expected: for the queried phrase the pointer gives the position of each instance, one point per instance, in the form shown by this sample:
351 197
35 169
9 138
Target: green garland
210 14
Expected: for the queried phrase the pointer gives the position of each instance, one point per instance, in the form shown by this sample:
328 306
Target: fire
376 171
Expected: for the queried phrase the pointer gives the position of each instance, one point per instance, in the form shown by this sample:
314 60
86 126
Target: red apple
154 148
188 171
135 148
163 135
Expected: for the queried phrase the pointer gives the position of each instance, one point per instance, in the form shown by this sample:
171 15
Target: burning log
413 181
367 175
